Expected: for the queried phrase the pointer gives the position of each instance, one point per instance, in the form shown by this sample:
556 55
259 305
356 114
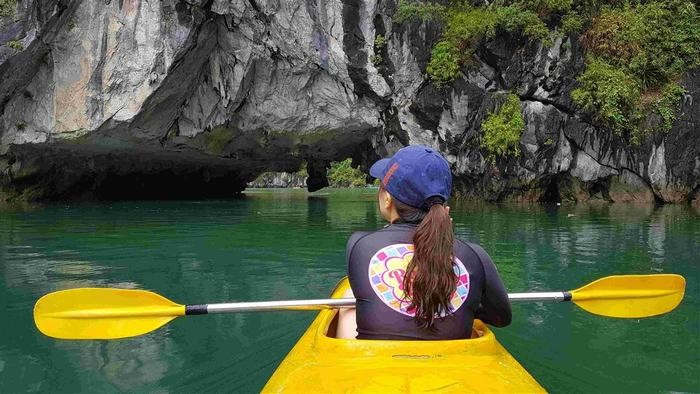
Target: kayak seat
333 326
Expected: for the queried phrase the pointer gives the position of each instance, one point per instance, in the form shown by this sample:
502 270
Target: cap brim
379 168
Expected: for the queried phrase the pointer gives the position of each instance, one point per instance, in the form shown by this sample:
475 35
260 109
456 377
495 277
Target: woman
413 279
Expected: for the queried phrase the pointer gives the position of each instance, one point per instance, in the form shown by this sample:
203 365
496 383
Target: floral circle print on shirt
387 269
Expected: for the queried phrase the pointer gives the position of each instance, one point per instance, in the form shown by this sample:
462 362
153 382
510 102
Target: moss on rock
503 128
8 7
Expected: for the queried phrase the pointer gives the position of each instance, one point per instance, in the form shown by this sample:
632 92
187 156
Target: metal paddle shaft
546 296
262 306
103 313
331 303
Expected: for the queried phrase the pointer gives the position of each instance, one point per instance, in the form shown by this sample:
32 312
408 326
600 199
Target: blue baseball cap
414 174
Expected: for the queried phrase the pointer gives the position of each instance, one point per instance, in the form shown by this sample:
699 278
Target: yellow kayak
320 363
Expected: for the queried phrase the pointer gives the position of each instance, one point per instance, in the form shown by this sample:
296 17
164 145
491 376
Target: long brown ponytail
430 279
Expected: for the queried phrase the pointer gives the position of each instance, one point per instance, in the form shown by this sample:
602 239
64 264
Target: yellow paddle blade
94 313
631 296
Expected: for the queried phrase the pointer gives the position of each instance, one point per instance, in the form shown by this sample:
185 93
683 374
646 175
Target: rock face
279 180
129 99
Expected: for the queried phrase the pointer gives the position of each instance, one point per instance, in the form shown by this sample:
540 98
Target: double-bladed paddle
104 313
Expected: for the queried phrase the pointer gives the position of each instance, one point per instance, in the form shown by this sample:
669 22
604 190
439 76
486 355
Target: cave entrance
344 173
551 192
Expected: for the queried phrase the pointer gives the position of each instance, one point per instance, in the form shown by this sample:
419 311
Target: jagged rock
279 180
196 98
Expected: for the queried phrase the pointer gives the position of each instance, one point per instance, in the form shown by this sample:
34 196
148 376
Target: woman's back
377 264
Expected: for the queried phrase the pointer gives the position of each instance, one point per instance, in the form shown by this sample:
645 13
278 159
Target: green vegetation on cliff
502 129
636 50
607 91
408 10
342 174
636 55
7 7
379 45
466 26
16 45
668 105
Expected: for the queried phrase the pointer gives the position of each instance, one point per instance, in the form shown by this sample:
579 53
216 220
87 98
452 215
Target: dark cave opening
551 192
86 171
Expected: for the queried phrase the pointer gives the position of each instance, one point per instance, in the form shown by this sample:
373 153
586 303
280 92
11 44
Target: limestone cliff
279 180
173 98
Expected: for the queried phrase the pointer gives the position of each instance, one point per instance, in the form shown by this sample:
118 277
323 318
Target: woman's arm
495 305
347 321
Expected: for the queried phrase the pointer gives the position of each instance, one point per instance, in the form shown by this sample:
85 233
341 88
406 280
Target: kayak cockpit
483 342
477 329
319 362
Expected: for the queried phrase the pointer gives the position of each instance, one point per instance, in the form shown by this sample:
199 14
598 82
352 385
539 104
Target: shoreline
13 204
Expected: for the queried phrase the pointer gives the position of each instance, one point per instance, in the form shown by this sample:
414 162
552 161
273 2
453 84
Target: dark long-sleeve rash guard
377 263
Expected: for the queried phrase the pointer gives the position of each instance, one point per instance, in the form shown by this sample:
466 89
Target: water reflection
126 365
317 210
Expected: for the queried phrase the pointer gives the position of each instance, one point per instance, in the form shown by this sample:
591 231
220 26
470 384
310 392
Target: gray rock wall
279 180
199 97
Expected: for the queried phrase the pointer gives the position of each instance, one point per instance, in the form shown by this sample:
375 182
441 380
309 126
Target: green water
288 244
